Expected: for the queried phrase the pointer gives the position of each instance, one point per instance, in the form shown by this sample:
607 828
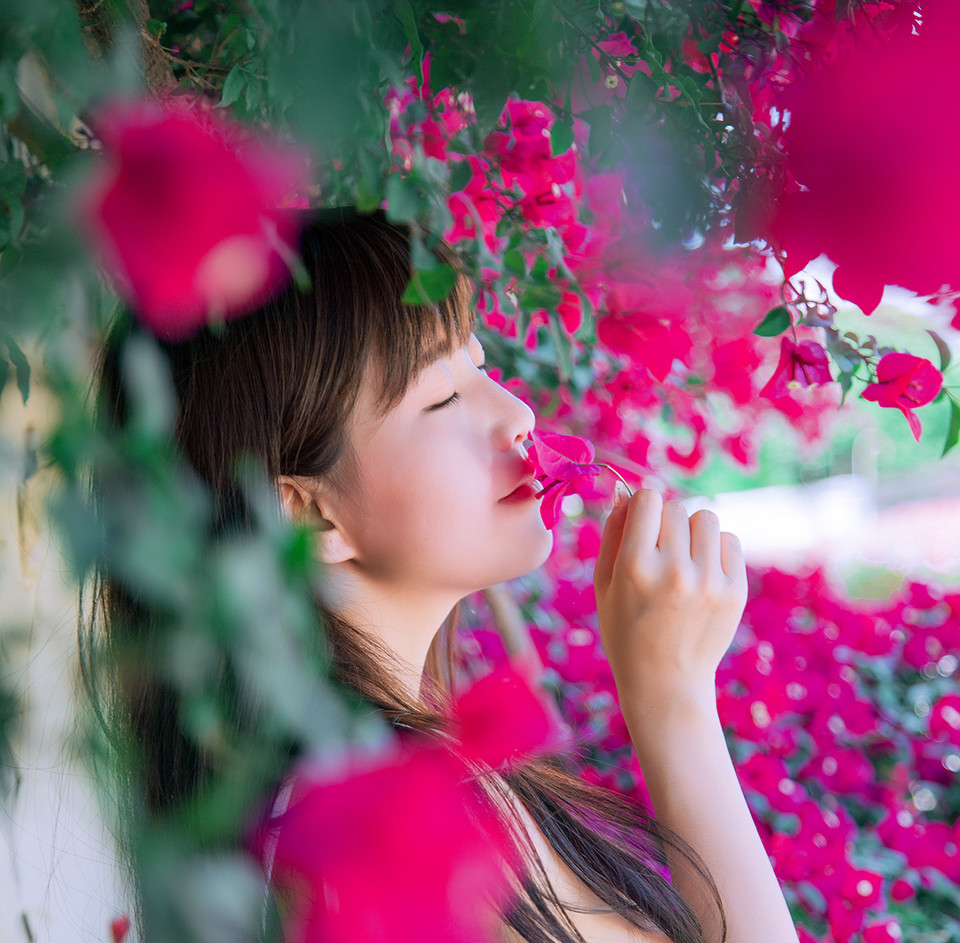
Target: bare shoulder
596 922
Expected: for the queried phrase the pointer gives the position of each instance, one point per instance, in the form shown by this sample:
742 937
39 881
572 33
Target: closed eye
483 368
446 402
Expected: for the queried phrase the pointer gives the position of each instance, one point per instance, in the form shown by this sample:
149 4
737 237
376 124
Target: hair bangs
419 335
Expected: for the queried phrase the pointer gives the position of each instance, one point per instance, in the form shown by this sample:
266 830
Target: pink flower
477 204
862 888
875 158
844 920
801 365
501 718
902 891
906 382
945 719
119 928
404 851
885 930
562 462
187 216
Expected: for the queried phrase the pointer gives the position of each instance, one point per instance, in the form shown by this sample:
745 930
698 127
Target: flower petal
550 503
563 456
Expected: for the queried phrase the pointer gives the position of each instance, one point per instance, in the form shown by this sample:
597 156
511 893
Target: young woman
378 423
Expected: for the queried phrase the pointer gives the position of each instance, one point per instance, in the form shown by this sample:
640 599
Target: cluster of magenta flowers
843 718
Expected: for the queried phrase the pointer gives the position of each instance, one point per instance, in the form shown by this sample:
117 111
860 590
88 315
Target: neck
405 620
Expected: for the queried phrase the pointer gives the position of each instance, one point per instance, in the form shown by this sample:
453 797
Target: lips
527 488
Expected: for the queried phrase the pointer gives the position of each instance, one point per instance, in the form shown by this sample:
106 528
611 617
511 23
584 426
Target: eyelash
455 397
446 402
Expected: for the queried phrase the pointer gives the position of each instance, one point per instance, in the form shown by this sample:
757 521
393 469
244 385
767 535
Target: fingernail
619 494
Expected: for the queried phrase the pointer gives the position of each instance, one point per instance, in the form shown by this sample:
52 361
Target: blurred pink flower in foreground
871 147
404 850
185 210
119 928
562 463
502 718
905 382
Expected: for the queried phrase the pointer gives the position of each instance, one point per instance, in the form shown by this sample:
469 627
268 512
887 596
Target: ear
303 501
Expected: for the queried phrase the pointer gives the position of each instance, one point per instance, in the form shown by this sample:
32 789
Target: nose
515 420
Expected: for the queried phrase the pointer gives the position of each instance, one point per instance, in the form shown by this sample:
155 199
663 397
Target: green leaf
403 199
370 185
492 83
540 296
17 214
9 94
251 95
777 320
409 20
600 128
460 175
953 433
846 381
232 87
514 263
943 349
425 288
156 28
561 137
563 345
20 363
420 255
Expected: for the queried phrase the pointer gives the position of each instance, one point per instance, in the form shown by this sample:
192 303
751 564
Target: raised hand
670 593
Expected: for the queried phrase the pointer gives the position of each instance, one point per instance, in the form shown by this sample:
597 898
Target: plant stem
625 485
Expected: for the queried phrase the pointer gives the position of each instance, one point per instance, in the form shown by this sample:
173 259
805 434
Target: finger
641 529
609 546
731 558
674 541
705 541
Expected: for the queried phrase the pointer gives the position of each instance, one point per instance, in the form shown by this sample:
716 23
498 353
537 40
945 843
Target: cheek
410 496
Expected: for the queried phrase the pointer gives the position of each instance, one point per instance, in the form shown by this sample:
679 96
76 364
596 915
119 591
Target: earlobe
334 548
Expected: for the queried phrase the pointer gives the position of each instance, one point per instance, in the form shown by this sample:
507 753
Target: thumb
609 546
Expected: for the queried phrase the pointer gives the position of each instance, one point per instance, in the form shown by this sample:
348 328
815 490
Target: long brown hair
280 384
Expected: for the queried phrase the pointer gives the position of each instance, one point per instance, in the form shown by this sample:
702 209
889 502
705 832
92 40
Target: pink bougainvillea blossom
862 888
905 382
477 208
563 463
884 930
870 168
801 364
404 851
501 718
611 53
945 719
187 215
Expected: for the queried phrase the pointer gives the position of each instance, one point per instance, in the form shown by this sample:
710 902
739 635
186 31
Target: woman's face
437 505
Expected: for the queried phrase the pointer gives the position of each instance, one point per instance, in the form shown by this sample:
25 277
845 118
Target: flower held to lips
562 463
187 215
905 382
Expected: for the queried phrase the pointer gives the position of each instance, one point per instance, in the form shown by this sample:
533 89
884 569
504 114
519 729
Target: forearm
695 792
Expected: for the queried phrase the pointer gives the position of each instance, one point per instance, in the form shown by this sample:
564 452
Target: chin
535 557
